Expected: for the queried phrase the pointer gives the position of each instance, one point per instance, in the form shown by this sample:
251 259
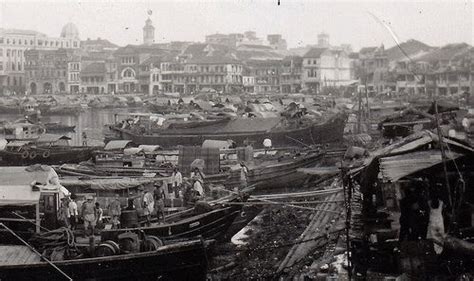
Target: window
19 66
31 42
1 65
13 42
1 40
13 66
8 52
1 52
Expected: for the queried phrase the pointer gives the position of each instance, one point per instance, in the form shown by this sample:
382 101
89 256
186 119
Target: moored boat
242 131
47 149
277 174
205 220
178 261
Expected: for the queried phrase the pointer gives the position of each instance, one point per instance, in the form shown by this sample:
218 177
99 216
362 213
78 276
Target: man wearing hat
89 215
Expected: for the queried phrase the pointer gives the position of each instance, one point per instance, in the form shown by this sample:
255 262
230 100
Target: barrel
129 218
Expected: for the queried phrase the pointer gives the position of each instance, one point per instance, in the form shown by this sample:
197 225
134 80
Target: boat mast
443 155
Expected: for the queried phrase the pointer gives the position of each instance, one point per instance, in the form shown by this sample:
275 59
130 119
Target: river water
91 122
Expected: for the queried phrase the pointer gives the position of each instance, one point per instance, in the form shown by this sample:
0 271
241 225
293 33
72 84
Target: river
91 122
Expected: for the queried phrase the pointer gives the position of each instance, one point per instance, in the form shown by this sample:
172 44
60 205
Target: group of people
151 201
91 214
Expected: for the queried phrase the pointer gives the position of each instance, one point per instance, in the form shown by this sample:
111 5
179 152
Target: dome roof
70 31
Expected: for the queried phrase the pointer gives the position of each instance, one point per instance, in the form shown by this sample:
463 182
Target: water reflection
91 122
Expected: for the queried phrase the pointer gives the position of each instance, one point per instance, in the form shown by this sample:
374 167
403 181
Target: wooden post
38 220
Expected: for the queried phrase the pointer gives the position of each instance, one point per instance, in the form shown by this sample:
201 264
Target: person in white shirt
197 187
72 213
177 182
243 175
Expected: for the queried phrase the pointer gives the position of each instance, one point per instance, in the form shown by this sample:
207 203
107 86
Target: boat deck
16 255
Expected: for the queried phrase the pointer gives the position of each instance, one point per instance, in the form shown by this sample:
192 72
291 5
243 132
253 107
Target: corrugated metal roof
396 167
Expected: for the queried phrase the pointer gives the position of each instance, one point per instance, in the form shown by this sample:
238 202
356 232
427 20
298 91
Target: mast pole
443 156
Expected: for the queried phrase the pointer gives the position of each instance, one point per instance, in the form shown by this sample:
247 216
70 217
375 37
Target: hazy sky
433 22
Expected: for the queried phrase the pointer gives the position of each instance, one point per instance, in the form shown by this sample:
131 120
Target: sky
359 23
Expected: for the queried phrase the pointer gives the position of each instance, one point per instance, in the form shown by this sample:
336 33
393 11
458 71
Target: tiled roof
217 59
314 52
104 42
247 55
410 47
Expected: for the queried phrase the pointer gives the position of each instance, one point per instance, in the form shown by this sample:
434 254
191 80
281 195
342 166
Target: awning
18 195
396 167
117 144
107 184
220 144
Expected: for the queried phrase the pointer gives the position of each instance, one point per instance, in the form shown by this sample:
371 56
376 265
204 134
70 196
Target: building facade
325 67
13 45
52 71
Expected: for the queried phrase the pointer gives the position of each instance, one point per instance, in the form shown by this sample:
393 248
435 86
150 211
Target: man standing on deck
72 213
115 211
89 215
148 206
159 195
243 175
177 181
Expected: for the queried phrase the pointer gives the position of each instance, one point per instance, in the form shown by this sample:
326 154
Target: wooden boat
21 131
242 131
179 261
33 153
58 127
277 173
194 222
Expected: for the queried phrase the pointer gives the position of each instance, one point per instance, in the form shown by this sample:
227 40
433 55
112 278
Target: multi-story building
220 73
52 71
373 69
291 72
325 67
441 71
14 43
266 74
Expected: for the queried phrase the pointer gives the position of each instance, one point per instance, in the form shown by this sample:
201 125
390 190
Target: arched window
128 73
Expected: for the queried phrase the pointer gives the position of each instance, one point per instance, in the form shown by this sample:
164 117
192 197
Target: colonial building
220 73
373 69
291 72
266 74
52 71
325 67
14 43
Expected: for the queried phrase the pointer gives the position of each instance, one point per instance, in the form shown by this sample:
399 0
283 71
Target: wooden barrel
129 218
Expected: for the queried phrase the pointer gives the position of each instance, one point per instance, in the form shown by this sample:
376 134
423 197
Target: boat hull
210 225
46 156
182 261
277 175
330 131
